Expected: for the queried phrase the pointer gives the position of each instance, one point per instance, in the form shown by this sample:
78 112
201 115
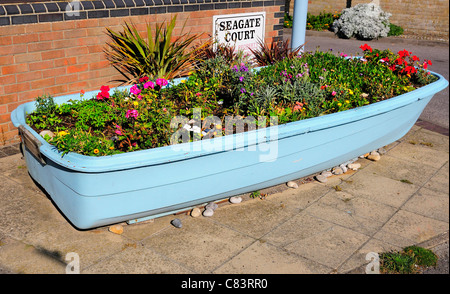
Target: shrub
321 22
156 56
395 30
363 21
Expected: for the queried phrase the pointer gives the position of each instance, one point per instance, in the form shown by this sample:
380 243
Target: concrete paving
318 228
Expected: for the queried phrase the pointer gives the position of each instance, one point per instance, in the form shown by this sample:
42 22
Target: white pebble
196 212
292 184
208 212
212 206
337 171
236 199
354 166
321 178
326 173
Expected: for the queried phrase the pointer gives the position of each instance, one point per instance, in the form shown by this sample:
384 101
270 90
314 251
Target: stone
382 151
326 173
321 178
116 229
354 166
236 199
344 168
374 156
196 212
176 223
212 206
337 171
208 212
292 184
46 132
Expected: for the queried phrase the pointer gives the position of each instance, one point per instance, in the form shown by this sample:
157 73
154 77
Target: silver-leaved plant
363 21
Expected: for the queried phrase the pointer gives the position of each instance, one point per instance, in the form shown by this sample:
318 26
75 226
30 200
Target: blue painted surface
97 191
299 23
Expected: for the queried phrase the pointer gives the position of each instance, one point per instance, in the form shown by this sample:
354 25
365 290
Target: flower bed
142 116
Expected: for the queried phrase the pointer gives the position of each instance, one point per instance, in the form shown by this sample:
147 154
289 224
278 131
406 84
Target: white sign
243 30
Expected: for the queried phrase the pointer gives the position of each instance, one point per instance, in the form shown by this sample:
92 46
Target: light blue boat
98 191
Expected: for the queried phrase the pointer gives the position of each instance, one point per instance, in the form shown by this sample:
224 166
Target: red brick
13 69
54 72
43 83
41 65
39 46
6 40
30 95
27 76
16 88
7 79
37 28
77 68
23 39
99 65
10 98
50 36
77 51
65 61
78 33
65 79
27 57
9 50
52 54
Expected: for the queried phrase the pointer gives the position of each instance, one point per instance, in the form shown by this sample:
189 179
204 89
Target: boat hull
93 192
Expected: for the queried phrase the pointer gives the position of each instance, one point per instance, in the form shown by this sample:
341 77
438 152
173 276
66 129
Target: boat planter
98 191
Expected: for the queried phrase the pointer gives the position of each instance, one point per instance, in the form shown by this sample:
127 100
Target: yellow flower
96 151
62 133
405 89
346 101
350 92
135 103
339 104
183 81
111 148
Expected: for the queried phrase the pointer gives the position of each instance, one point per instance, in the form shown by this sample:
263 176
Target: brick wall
426 19
43 50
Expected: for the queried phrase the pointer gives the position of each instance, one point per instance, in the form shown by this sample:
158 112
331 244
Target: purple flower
241 79
243 90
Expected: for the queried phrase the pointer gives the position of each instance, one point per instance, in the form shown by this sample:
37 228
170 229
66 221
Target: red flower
404 53
143 79
415 58
104 93
365 47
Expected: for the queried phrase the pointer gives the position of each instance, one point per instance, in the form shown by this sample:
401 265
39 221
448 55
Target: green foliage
409 261
395 30
157 56
321 22
267 54
292 88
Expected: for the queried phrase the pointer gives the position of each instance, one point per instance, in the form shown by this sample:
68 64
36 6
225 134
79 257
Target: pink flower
118 132
198 94
132 113
161 82
333 93
149 84
135 90
298 106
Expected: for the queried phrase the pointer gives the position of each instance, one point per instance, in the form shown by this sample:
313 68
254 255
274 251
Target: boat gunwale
167 154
